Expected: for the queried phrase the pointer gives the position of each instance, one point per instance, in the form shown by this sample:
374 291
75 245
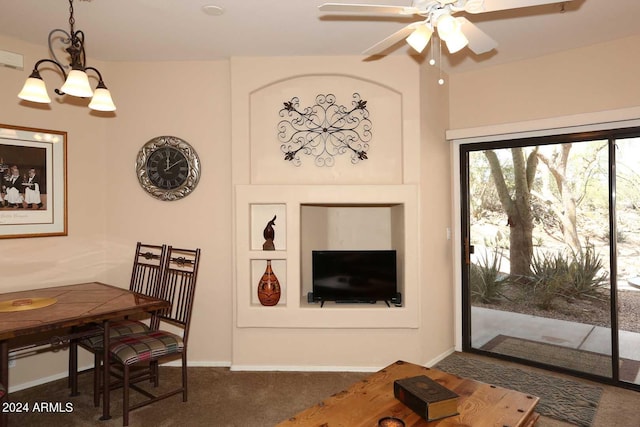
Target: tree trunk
517 207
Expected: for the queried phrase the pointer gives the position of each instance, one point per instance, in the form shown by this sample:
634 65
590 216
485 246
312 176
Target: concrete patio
488 324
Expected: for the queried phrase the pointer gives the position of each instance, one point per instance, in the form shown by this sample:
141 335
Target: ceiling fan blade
394 38
479 41
368 8
495 5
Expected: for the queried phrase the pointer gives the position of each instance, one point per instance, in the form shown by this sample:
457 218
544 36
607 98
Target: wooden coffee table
371 399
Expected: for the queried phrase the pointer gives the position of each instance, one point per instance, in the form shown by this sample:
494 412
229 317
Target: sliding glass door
627 237
547 247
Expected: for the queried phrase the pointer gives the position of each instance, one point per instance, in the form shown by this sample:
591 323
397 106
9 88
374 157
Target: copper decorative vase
269 287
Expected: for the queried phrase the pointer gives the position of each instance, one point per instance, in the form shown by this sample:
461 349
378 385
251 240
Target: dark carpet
218 397
560 398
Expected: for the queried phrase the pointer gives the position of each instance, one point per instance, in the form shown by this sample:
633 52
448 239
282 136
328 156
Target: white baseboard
65 374
228 364
314 368
40 381
283 368
199 364
437 359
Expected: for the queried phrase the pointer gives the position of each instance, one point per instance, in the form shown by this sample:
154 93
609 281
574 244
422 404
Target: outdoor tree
521 186
577 175
516 203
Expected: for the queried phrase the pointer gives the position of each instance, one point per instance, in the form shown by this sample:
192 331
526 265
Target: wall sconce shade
76 81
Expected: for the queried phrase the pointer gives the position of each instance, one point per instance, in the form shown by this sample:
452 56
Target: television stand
354 301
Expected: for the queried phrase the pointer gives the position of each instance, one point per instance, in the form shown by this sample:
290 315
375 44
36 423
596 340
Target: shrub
549 271
485 279
587 274
571 275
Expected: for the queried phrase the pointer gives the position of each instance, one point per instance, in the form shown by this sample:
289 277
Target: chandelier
76 80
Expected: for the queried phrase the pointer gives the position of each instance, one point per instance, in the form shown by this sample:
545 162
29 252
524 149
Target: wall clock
168 168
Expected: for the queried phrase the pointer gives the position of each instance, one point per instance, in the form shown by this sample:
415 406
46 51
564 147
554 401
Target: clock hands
171 166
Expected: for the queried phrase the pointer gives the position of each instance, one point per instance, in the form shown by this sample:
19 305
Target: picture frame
33 182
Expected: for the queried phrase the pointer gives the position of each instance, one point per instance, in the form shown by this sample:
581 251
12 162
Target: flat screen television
354 276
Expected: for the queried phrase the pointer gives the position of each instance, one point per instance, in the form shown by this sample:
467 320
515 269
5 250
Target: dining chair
178 287
146 277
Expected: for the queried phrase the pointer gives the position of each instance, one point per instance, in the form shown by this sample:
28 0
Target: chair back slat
148 267
178 287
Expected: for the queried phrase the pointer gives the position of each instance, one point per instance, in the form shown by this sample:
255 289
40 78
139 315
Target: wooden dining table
55 315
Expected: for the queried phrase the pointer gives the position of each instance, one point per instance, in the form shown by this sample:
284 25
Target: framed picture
33 182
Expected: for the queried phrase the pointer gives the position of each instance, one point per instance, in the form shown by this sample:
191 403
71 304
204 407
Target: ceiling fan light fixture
35 90
419 38
474 6
456 41
450 30
447 26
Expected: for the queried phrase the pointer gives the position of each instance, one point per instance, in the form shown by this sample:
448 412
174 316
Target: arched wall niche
384 163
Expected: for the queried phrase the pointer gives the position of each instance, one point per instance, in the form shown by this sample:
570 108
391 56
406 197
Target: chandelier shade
101 100
77 84
35 90
76 81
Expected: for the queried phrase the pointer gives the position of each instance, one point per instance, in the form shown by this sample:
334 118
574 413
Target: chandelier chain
72 20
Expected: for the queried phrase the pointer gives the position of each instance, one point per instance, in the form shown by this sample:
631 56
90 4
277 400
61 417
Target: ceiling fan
437 15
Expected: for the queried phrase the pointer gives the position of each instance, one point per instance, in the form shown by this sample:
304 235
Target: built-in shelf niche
261 214
356 226
279 268
388 214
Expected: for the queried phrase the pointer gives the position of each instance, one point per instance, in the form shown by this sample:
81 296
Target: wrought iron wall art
325 130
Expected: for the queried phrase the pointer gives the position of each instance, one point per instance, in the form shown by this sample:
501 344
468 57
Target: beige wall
108 210
436 266
296 334
80 256
189 100
590 79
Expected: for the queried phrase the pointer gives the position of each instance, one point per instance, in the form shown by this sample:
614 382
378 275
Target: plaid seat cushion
2 391
135 348
117 329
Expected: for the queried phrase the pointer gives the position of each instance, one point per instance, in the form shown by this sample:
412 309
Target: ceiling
179 30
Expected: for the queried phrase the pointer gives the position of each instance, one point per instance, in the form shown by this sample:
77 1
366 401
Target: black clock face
167 168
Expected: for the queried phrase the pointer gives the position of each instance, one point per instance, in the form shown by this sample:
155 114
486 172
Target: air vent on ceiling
11 60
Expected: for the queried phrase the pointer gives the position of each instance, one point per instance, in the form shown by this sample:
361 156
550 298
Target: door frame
577 128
